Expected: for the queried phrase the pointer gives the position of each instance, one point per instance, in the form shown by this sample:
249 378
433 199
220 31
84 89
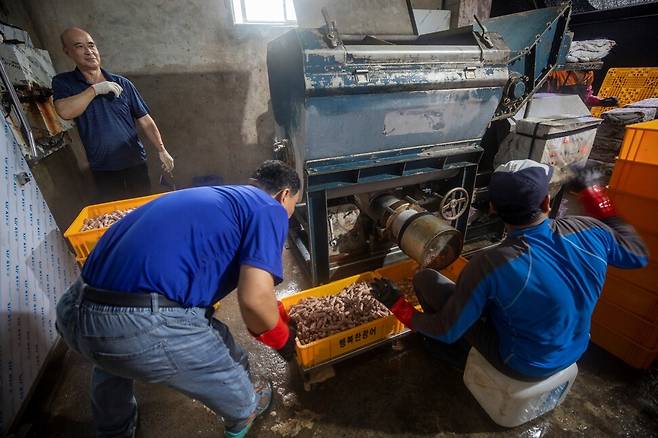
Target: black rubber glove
609 101
584 177
287 352
385 291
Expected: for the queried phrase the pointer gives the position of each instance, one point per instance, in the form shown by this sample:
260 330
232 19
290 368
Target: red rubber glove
282 336
593 196
282 312
403 311
597 203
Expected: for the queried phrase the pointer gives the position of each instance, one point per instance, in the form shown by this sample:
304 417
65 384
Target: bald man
108 111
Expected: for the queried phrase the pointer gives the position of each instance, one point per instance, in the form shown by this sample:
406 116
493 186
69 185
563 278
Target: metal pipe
25 126
301 247
434 54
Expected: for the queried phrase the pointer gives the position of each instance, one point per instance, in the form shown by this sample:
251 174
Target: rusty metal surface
50 118
30 71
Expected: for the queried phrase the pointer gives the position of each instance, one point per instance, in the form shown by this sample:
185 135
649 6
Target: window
277 12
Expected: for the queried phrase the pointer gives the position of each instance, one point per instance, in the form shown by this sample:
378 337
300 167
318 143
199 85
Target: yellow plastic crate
628 85
404 270
84 241
331 347
399 271
325 349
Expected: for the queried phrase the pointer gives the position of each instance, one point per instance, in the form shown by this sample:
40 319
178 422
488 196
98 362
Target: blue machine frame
358 115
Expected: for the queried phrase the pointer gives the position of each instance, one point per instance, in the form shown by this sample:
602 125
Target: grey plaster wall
204 78
15 13
62 178
427 4
462 11
374 17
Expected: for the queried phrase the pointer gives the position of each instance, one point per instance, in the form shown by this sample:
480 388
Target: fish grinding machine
386 133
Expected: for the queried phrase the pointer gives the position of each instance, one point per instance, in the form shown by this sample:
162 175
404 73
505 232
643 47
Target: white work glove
166 160
106 87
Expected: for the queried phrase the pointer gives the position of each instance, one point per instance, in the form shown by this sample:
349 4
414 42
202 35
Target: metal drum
430 241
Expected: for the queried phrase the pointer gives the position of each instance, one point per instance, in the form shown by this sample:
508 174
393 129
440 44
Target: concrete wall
15 12
427 4
204 78
65 184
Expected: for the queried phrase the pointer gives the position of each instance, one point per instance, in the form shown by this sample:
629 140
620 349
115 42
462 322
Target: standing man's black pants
122 184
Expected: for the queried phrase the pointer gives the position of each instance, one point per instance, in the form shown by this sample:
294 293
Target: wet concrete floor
389 391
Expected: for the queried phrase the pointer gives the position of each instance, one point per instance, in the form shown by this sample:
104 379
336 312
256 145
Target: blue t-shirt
189 245
107 127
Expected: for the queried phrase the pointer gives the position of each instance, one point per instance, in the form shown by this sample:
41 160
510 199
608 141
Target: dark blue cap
517 189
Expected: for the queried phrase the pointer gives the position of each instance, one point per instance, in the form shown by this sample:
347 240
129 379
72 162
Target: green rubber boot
264 392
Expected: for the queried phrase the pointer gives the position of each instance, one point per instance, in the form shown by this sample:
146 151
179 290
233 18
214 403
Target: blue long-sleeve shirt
539 287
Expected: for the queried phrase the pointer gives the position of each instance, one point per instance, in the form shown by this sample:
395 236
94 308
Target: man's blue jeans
178 347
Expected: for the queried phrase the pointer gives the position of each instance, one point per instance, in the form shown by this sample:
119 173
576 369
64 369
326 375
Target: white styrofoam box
27 66
561 141
547 104
651 102
15 35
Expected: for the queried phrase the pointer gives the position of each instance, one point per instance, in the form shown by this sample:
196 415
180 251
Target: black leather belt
124 299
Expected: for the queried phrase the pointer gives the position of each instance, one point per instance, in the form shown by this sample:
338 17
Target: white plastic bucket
511 402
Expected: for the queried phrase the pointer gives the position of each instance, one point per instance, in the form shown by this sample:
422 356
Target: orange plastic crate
638 211
651 240
636 178
331 347
646 278
635 299
620 320
630 352
628 85
641 143
84 241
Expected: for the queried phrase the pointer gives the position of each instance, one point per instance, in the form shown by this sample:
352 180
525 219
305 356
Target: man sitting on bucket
526 305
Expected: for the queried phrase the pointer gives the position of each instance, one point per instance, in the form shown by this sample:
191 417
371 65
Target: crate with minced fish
343 316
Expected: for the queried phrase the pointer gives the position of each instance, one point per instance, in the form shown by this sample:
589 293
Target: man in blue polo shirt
108 111
537 289
142 308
